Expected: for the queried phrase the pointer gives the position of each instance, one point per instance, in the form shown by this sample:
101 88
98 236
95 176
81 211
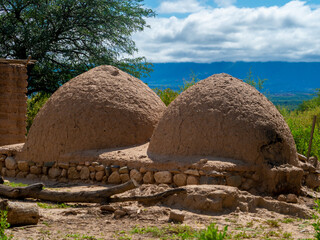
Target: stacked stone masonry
90 172
13 103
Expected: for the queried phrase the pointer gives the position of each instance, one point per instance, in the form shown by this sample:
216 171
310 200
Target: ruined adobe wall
13 103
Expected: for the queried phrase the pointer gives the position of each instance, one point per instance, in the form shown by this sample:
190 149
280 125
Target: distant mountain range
283 77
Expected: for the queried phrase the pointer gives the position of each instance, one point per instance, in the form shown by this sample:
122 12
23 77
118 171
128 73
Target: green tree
68 37
258 84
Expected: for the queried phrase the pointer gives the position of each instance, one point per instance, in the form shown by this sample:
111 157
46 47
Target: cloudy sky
231 30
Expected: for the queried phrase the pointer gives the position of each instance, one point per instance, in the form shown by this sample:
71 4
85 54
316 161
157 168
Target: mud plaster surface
87 219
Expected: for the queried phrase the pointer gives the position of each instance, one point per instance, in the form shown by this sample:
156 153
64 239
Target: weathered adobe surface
13 103
102 108
222 116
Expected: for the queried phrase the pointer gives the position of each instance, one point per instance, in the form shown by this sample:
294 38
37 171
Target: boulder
163 177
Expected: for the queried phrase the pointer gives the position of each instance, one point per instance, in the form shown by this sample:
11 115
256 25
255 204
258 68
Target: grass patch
14 184
52 205
273 223
77 236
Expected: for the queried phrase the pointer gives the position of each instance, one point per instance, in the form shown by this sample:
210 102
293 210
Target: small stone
163 177
21 174
35 170
256 177
313 181
215 174
79 168
124 177
45 170
91 168
3 172
124 170
292 198
44 178
282 198
105 179
136 175
192 180
85 173
99 175
175 171
234 181
148 178
114 168
247 184
176 216
11 163
64 173
2 157
99 168
23 166
11 173
87 163
54 172
63 180
32 176
203 161
94 164
202 173
107 208
48 164
72 164
143 170
114 178
119 213
73 173
39 164
107 170
180 179
92 175
31 163
81 163
192 172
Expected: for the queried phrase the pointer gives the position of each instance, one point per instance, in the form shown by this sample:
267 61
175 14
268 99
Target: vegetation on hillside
300 124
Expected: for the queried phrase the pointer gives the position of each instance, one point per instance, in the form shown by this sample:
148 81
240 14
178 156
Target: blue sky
231 30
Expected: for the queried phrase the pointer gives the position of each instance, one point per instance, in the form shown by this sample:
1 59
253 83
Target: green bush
300 124
4 225
213 233
34 103
168 95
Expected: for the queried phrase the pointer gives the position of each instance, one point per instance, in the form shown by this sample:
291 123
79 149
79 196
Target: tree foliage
67 37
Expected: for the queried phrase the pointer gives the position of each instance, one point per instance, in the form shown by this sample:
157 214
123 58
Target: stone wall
13 103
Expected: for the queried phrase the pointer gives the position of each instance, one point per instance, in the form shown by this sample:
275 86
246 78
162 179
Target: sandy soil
87 221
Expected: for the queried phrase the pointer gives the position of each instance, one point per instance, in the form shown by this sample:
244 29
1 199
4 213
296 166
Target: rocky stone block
180 179
163 177
11 163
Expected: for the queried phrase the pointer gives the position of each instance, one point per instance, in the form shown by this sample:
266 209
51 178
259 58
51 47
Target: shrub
168 95
213 233
34 103
4 225
300 124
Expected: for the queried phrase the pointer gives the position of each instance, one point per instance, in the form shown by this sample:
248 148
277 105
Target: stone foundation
117 166
13 102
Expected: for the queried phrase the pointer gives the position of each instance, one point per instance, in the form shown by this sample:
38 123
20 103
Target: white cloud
287 33
179 6
225 3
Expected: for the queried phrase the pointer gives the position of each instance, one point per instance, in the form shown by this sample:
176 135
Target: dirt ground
88 221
